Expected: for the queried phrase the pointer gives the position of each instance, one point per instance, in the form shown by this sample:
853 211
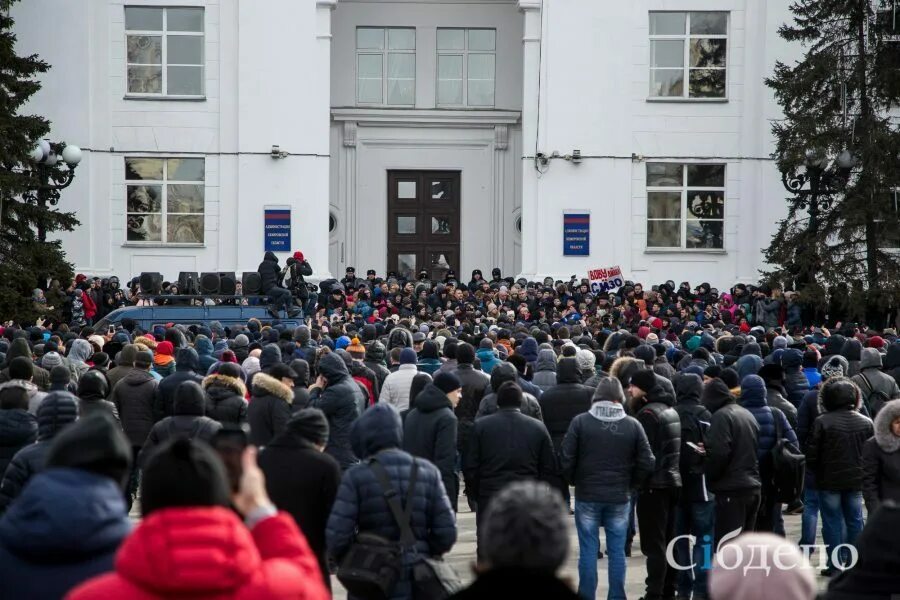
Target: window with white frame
688 54
466 67
685 206
164 200
164 48
386 65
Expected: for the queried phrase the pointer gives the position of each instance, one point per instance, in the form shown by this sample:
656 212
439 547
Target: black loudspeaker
227 284
188 282
151 283
252 283
209 283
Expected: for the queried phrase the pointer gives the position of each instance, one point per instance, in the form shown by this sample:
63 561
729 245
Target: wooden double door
423 221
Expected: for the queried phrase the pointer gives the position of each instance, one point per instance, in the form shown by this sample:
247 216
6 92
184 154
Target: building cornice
529 4
426 117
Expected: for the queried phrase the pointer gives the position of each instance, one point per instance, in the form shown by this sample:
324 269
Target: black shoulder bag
432 578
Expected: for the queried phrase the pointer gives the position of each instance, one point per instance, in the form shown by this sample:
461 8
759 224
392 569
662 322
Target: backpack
787 466
875 399
367 384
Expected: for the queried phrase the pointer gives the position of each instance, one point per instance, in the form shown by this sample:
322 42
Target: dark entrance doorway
423 221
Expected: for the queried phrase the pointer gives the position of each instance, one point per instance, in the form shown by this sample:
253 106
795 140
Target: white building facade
407 131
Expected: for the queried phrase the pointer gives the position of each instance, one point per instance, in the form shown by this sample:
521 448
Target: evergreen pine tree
835 100
24 259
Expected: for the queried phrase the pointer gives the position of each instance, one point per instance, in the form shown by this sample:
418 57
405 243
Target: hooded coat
208 552
663 428
870 379
340 402
835 447
187 368
19 347
204 347
133 397
892 361
18 428
189 419
500 375
545 370
361 505
429 432
488 359
93 389
56 411
375 356
795 382
269 272
64 529
79 354
695 420
753 398
564 401
852 351
881 460
731 443
225 399
269 410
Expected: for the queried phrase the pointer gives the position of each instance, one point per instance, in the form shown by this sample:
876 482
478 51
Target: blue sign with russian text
277 230
576 234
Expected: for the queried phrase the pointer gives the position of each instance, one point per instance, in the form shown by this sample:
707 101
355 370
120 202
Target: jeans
281 298
696 519
589 517
840 510
656 523
769 518
810 519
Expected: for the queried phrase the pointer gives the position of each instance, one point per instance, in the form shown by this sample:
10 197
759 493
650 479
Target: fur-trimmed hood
231 383
267 385
624 367
819 397
886 440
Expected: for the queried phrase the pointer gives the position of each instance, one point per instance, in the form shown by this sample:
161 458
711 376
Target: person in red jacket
191 544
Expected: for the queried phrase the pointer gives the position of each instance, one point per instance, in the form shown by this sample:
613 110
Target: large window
685 206
386 66
466 67
164 200
688 54
164 51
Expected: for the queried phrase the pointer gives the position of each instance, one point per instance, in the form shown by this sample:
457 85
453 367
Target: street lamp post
52 170
814 188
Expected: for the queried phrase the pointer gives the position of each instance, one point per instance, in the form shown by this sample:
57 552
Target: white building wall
251 102
594 81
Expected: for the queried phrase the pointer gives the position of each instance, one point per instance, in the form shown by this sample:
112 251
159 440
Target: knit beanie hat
356 349
230 370
526 526
447 382
100 359
836 366
609 389
183 472
693 343
241 340
876 342
21 367
408 357
94 443
741 581
143 359
310 424
645 379
50 360
652 338
165 348
250 365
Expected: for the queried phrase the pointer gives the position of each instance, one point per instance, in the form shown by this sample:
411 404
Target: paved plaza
463 556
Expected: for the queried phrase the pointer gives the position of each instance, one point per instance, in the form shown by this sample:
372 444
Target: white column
531 84
322 91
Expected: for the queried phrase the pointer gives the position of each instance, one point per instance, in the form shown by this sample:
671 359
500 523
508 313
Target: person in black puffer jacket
93 391
475 384
835 454
696 507
795 382
189 420
18 427
429 431
658 497
881 459
301 383
731 468
187 368
226 396
773 376
505 372
337 395
753 398
361 506
56 411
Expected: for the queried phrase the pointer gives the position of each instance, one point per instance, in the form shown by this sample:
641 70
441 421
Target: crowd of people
263 458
